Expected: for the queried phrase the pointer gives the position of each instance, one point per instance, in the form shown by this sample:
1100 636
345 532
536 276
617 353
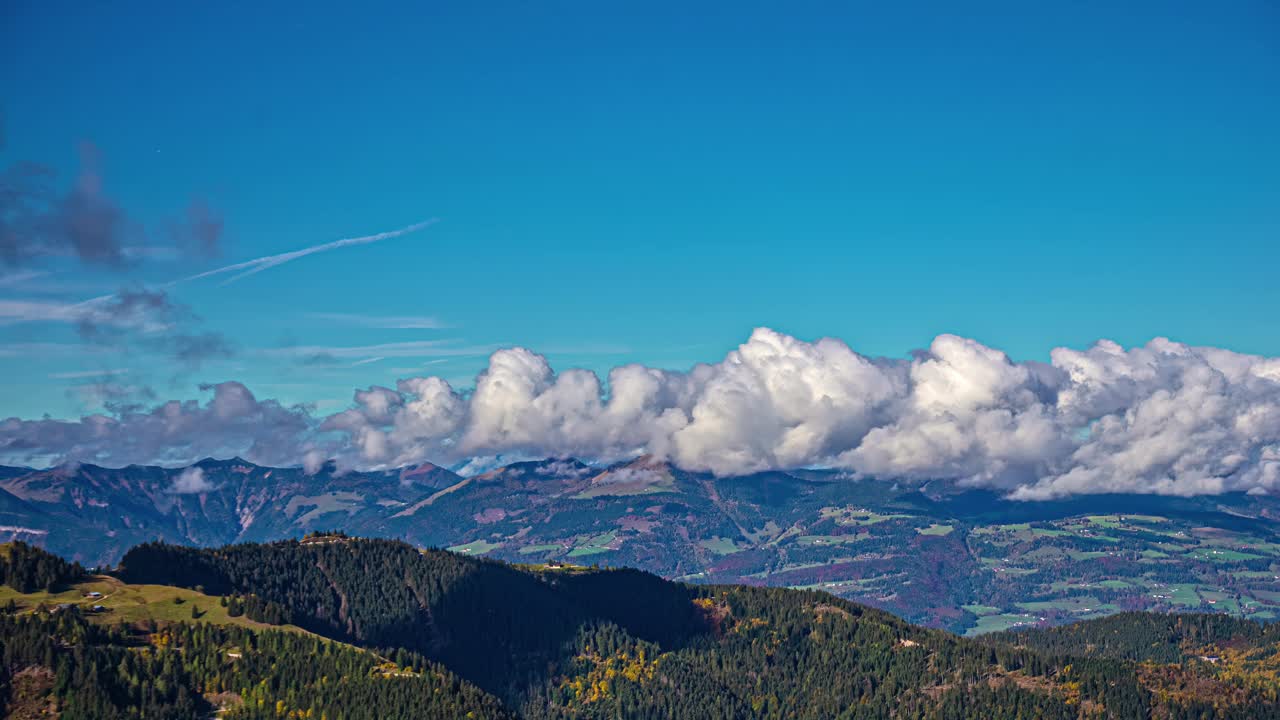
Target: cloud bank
173 433
1163 418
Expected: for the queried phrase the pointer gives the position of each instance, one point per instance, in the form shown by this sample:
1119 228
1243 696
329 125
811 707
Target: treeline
780 653
27 568
568 643
257 609
490 622
191 670
1143 637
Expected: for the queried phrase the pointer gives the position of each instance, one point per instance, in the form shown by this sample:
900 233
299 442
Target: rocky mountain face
93 514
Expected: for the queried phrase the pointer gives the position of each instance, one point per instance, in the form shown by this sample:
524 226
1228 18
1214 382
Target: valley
934 553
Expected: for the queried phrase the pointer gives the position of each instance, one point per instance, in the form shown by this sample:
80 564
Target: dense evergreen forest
381 629
1146 637
26 568
99 673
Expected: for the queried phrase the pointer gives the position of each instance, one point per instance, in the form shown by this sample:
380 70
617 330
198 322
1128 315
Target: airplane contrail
257 265
251 267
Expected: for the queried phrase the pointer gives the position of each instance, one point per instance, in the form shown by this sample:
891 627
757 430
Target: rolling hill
378 628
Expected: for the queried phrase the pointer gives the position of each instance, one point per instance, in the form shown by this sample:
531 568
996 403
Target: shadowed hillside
336 626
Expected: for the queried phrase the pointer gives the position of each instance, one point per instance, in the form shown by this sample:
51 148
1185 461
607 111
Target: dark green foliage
102 673
1142 636
28 568
578 643
1006 701
488 621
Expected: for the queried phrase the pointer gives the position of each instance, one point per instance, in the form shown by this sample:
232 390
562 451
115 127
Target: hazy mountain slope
934 553
94 514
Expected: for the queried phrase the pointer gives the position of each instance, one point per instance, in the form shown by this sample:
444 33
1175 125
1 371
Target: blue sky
625 182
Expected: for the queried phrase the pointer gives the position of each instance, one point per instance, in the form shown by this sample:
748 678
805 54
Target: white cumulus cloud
191 482
1161 418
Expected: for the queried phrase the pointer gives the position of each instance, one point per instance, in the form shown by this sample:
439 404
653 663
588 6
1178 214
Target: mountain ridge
933 552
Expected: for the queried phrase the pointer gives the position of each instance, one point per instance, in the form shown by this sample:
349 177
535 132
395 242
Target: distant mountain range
932 552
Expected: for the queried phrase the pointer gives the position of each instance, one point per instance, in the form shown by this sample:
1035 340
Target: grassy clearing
1185 595
996 623
531 549
1266 548
858 516
1079 555
134 603
1243 544
1020 532
838 586
770 530
649 484
1000 567
804 566
936 529
982 609
1110 522
593 546
1254 575
476 547
431 499
827 539
720 546
1069 585
1081 603
1044 554
1221 555
622 490
1126 522
1000 529
1147 519
1172 532
1221 601
1115 584
321 505
592 550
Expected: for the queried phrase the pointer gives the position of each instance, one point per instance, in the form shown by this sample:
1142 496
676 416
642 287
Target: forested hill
1150 637
489 621
62 665
373 628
